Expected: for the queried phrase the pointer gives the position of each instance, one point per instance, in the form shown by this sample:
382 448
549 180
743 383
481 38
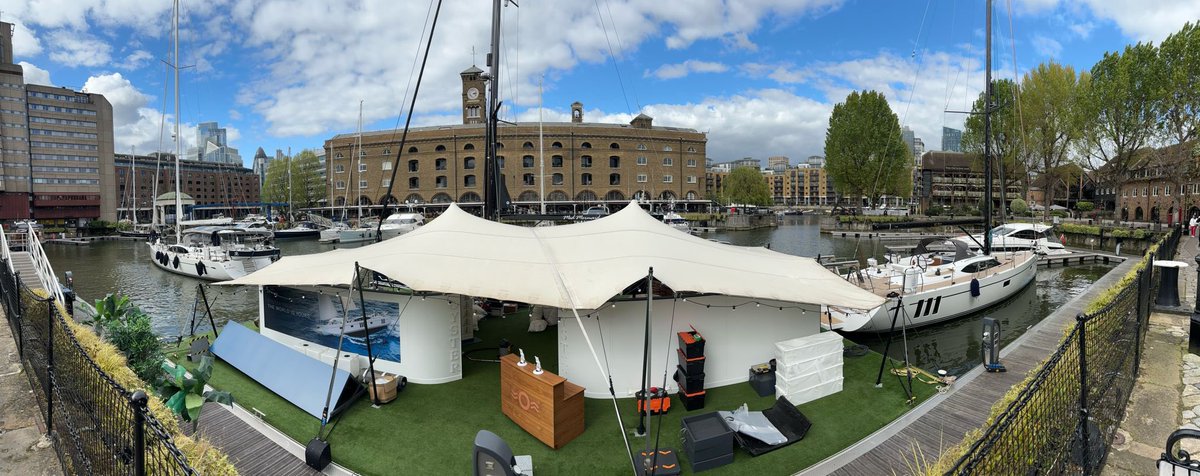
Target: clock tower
473 95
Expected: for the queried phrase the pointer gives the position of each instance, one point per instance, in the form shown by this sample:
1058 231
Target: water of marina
125 267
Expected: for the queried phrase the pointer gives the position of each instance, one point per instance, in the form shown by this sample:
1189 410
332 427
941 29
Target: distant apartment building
951 140
777 163
212 145
1162 185
217 188
951 179
56 149
746 162
795 186
816 161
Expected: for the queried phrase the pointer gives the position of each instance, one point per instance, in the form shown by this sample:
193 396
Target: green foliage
745 186
872 218
1137 234
934 210
186 396
1058 213
136 339
864 153
1019 207
1085 206
1119 105
100 225
1179 57
1079 229
307 186
1052 118
1006 133
112 308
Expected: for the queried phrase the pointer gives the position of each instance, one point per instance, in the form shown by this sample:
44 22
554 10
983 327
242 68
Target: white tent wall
735 340
430 336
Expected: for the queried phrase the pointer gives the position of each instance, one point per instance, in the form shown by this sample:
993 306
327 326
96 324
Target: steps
22 263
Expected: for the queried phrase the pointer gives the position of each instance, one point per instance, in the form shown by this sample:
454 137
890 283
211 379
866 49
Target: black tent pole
208 310
888 347
362 307
641 429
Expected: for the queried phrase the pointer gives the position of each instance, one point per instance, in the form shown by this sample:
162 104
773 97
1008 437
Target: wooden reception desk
547 406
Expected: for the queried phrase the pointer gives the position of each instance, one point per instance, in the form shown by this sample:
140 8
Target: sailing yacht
364 230
933 285
216 253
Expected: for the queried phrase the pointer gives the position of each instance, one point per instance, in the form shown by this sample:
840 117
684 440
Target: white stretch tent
584 266
579 266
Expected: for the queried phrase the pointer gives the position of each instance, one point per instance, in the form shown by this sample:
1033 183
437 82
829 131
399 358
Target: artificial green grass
430 429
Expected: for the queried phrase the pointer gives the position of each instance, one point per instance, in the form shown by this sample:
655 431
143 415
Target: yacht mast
133 168
541 151
358 155
491 188
178 142
987 140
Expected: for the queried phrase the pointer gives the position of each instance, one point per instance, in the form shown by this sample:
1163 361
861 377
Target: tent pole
362 307
641 429
332 376
888 347
208 310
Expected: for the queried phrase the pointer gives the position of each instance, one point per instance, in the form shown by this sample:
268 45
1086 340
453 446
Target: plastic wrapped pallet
808 368
806 348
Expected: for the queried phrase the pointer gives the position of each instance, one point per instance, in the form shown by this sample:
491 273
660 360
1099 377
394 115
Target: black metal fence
97 426
1064 419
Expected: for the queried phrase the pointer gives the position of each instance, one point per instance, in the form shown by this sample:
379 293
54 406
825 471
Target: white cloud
235 115
1141 21
1046 46
781 73
25 41
135 60
135 123
679 70
74 49
1083 29
35 75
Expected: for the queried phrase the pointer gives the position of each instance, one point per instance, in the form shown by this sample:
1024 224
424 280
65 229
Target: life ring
175 263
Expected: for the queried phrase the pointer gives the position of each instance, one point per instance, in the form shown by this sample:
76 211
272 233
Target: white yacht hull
356 235
922 308
194 265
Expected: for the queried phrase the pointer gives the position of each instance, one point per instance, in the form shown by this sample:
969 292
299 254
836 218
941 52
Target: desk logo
526 402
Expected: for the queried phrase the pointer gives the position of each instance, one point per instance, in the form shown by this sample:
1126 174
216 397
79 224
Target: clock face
472 93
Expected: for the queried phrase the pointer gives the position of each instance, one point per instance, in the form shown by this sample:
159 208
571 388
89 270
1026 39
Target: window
614 179
386 183
362 167
341 184
441 182
469 163
691 162
585 145
439 164
439 148
362 153
668 179
414 183
1167 190
412 166
585 161
585 179
691 179
341 169
691 195
469 147
641 147
527 179
387 165
556 179
667 161
641 160
691 149
980 265
500 161
556 145
527 161
362 184
468 180
614 145
387 152
614 162
1155 190
641 178
412 150
338 156
667 148
527 145
556 161
1144 192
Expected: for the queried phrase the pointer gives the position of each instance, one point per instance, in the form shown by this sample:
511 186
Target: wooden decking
250 451
942 421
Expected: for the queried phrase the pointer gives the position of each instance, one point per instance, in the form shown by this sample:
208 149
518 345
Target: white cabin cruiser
215 253
935 285
398 224
676 221
1019 237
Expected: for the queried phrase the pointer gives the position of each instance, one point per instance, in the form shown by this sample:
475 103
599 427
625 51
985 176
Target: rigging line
562 287
1016 91
912 89
408 85
407 123
950 87
612 54
621 47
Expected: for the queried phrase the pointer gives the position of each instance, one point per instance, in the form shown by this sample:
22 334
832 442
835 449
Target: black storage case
692 366
691 343
689 383
693 401
707 440
764 383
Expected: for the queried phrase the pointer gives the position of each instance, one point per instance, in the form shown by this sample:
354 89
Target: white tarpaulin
459 253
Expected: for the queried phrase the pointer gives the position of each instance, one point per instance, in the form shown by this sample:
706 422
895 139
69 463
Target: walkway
1167 393
23 450
944 419
250 451
22 263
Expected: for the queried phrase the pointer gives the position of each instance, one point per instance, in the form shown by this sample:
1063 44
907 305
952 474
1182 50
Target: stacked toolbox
690 372
808 368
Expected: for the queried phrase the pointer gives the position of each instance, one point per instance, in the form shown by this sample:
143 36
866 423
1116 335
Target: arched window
641 147
412 150
364 200
557 196
556 179
469 146
556 145
691 195
667 148
585 196
527 145
414 198
387 151
440 148
469 163
667 195
614 195
340 201
528 196
585 145
470 197
388 200
614 145
441 198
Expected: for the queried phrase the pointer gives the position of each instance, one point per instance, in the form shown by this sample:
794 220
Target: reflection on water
124 266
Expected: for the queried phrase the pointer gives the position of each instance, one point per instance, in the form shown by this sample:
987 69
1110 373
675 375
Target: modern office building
951 140
915 145
259 166
212 146
217 188
56 149
584 163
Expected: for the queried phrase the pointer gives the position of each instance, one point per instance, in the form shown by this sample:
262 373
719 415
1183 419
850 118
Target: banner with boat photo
317 317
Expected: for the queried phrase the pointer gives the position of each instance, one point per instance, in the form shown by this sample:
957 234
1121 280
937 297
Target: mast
491 189
358 155
987 139
133 167
289 166
178 141
541 152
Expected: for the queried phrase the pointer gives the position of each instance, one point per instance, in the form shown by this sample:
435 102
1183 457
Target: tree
1179 109
1008 162
1120 105
745 186
864 152
1050 111
307 186
1019 207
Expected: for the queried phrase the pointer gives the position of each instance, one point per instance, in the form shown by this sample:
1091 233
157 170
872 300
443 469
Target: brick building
217 188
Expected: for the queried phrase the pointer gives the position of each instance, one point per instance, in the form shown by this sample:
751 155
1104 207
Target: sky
760 77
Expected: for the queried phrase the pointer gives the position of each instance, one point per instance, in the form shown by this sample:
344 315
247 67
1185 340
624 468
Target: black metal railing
1064 419
97 426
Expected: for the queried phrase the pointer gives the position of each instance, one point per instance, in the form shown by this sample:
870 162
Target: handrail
41 265
5 253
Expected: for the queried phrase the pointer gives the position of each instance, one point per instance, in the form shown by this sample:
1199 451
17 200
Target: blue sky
760 76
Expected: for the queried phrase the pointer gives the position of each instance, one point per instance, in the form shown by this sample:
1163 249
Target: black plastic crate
706 437
763 383
692 401
689 383
705 465
692 366
691 343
